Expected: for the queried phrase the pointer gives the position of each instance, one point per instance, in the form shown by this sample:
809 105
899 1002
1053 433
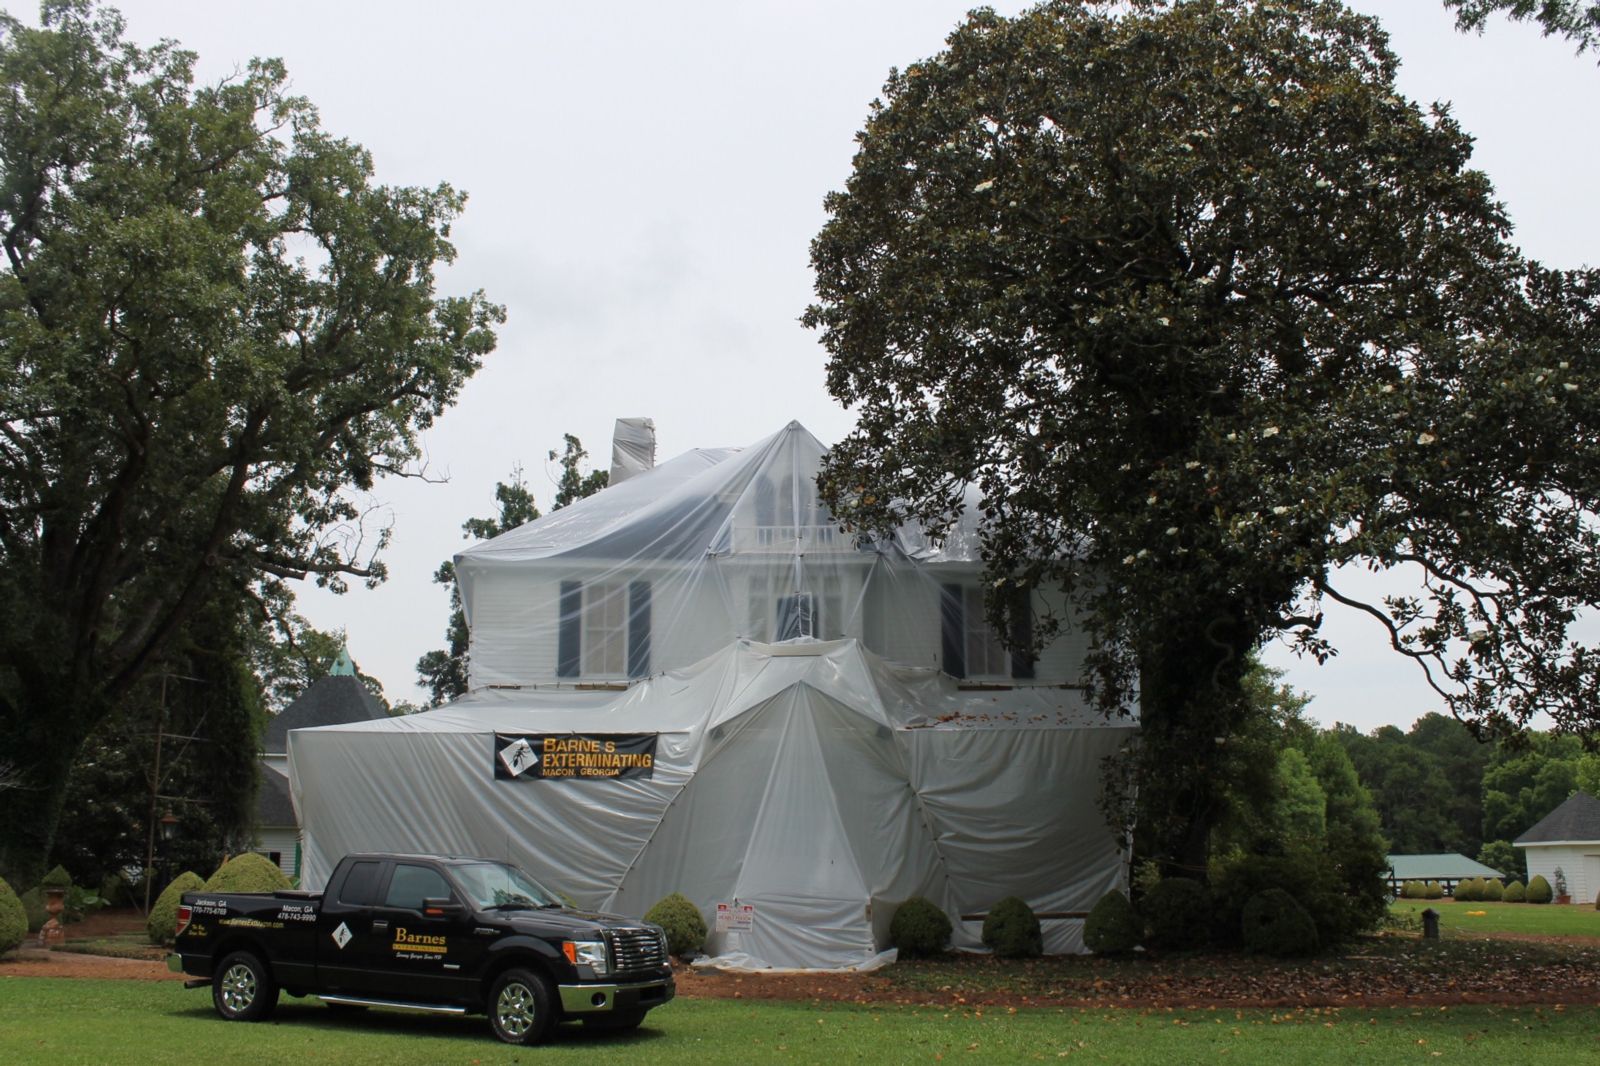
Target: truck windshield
492 885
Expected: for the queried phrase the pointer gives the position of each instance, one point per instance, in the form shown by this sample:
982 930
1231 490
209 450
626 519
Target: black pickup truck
425 932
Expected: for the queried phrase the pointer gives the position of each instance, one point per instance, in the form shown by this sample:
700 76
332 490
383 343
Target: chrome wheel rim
515 1009
238 988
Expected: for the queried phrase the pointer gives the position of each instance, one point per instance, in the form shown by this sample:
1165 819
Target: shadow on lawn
314 1015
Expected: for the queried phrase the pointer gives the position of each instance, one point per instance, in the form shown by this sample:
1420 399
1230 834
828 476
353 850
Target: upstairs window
969 646
778 612
604 630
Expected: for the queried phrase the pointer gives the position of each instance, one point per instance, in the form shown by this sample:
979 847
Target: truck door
420 955
346 950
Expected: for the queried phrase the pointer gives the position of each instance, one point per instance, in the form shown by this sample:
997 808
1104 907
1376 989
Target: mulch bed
1397 973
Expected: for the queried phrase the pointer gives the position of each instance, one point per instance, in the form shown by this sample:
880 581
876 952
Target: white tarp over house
808 779
837 726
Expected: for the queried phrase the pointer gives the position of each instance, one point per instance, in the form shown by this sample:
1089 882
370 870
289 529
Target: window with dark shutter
569 641
1022 636
952 631
639 629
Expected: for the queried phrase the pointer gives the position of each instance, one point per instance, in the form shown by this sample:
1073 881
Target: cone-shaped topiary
1112 927
1011 930
162 925
248 872
1516 892
56 878
1539 890
13 919
1177 915
681 920
33 907
1276 924
919 928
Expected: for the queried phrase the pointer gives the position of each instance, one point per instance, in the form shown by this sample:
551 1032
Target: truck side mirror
441 907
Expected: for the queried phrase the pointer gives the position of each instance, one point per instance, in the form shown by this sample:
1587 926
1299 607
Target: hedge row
1483 890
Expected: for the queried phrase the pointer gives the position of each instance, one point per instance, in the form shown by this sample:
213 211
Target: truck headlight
590 953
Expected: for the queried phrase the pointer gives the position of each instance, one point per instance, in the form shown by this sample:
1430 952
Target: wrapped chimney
633 448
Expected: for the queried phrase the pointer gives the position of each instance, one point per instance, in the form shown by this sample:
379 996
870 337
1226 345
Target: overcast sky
644 181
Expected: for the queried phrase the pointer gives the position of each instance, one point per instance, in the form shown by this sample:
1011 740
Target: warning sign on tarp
543 757
736 917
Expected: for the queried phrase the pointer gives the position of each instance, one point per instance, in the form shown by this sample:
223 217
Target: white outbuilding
694 682
1567 840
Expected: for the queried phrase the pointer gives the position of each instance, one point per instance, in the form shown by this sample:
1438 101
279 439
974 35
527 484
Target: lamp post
169 829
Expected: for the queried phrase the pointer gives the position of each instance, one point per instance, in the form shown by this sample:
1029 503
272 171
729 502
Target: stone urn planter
52 934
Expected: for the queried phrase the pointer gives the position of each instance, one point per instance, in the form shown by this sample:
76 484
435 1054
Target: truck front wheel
243 989
520 1007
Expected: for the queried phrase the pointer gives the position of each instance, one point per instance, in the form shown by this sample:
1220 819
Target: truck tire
242 989
521 1007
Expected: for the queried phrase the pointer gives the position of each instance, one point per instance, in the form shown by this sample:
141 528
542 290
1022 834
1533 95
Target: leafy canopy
215 331
1206 310
1578 20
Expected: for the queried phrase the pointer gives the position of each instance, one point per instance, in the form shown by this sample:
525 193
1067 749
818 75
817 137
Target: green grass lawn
106 1023
1544 919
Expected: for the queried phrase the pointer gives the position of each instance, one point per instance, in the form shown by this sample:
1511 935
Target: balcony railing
785 539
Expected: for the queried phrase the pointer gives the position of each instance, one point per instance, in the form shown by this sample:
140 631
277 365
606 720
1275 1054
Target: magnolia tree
213 327
1210 316
1576 19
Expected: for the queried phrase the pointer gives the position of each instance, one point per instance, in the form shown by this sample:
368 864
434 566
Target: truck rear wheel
242 989
521 1007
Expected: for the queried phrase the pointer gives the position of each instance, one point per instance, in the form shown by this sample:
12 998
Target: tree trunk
1191 703
33 806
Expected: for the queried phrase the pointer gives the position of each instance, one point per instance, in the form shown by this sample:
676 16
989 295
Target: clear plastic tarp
832 727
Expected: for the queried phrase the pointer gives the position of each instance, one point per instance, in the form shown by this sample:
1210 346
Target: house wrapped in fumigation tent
694 682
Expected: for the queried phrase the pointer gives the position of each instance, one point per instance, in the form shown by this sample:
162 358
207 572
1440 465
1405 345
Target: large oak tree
1212 316
214 326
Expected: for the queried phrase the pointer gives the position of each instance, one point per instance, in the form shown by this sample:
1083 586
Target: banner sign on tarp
614 756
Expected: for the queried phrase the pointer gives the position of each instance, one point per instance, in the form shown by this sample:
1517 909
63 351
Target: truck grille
637 949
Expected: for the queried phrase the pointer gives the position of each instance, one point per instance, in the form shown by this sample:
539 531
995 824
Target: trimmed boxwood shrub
1112 927
247 872
116 891
1516 892
1413 890
33 907
1275 924
1177 915
1539 890
13 919
681 920
1011 931
1467 891
919 928
1493 890
162 925
56 878
1433 890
